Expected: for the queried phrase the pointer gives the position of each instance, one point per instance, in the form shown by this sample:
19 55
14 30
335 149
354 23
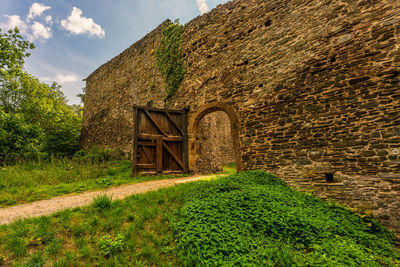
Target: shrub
64 139
18 139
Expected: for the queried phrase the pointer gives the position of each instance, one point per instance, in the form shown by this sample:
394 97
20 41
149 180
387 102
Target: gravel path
49 206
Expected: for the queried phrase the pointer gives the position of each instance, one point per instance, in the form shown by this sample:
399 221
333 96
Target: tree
34 116
13 50
82 95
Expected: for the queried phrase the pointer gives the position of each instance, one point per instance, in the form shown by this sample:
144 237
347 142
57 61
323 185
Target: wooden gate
160 141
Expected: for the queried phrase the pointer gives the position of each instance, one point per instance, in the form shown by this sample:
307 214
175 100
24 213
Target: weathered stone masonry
315 87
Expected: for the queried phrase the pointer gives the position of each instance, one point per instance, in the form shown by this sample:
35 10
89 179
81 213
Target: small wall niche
329 177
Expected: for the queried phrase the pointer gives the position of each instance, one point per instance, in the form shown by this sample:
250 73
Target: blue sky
74 37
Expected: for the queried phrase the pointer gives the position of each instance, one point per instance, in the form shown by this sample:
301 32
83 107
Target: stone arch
193 126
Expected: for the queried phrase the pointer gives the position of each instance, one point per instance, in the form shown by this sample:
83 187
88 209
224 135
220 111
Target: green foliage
82 95
108 246
169 58
43 108
102 202
18 138
244 218
35 119
13 50
99 155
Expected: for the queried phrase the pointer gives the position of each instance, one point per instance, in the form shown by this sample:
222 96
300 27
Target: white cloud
76 24
39 31
70 78
35 31
202 6
15 21
36 10
49 19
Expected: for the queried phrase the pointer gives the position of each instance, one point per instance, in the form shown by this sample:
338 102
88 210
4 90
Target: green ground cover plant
250 219
35 180
253 218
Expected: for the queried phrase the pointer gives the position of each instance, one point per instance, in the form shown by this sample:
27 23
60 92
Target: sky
73 38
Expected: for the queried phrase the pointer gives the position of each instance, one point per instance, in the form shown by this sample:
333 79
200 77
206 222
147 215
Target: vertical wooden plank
159 156
135 141
185 149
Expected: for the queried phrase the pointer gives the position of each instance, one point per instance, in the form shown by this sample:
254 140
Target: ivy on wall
169 58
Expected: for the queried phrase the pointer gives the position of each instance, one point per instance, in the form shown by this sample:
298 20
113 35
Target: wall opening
213 138
214 144
329 177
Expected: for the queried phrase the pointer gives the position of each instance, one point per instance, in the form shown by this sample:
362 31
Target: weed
104 182
83 247
17 246
65 261
78 230
54 246
36 260
43 233
109 246
102 202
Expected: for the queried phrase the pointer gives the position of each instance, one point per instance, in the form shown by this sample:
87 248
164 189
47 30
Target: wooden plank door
160 142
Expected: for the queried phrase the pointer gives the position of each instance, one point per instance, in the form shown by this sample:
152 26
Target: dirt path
49 206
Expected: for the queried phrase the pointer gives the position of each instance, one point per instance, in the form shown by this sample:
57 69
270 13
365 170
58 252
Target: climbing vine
169 58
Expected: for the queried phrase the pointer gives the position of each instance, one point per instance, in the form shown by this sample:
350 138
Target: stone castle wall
315 85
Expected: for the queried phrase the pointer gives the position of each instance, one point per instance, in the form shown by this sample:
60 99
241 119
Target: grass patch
32 181
229 169
135 231
251 218
102 202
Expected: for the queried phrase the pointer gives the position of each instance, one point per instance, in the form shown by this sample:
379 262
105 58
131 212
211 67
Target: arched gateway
194 130
311 89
